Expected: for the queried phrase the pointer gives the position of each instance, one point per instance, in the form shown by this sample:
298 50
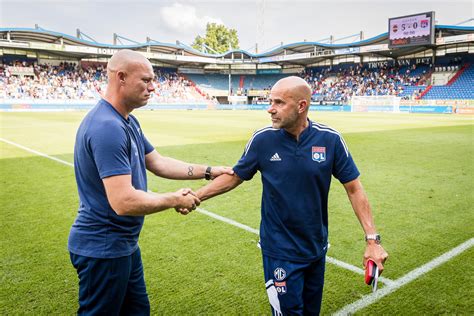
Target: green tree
218 38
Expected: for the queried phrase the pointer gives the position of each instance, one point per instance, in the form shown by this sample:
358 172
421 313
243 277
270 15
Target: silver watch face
375 237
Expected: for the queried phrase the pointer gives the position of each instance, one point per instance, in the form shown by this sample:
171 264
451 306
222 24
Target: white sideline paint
37 152
390 285
407 278
355 269
336 262
227 220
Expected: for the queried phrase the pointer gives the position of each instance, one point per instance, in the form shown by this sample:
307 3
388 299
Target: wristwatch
207 174
375 237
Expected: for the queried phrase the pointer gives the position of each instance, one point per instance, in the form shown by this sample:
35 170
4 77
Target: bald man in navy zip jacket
297 158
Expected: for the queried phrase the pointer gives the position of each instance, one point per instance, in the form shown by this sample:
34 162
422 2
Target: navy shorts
294 288
111 286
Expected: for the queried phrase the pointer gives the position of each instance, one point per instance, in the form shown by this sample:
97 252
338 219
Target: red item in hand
370 272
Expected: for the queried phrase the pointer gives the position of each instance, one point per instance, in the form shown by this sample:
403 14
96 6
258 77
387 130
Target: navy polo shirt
296 177
106 145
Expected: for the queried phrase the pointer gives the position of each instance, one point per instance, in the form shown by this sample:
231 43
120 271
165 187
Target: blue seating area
221 82
418 71
462 88
409 90
214 81
261 82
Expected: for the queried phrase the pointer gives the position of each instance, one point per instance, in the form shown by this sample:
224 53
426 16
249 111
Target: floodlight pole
230 81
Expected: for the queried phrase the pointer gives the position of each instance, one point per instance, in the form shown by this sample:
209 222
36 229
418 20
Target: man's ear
121 75
302 106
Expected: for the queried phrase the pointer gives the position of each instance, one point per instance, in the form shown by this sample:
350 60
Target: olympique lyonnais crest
281 287
318 153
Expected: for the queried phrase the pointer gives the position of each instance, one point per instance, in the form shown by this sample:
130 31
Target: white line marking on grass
334 261
227 220
355 269
37 152
407 278
210 214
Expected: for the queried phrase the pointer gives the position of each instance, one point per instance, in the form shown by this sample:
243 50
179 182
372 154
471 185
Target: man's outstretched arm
219 185
126 200
361 206
170 168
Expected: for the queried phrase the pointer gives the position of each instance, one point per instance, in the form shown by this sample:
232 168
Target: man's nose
271 109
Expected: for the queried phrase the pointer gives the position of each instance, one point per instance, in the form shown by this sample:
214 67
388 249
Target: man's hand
187 201
219 170
375 252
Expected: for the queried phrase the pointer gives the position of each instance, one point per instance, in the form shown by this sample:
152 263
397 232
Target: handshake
186 201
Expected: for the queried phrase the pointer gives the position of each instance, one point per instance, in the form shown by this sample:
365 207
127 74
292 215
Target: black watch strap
207 174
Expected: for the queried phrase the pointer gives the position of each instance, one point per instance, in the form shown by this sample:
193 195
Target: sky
266 22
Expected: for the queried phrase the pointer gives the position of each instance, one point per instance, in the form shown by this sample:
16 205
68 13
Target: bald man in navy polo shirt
111 156
296 158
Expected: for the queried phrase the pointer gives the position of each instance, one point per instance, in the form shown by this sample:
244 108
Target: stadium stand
25 79
212 81
73 69
261 82
461 87
38 64
68 81
359 80
240 84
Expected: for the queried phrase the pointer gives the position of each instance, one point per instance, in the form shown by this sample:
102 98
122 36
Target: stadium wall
63 105
43 106
347 108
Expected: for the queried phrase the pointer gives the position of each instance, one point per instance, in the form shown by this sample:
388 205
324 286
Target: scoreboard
411 30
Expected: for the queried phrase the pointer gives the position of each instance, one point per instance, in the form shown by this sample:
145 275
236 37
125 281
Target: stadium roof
40 35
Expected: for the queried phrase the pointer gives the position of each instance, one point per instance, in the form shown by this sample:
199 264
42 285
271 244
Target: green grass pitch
417 171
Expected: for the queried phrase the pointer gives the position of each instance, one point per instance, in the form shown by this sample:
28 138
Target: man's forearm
138 203
221 184
179 170
125 200
171 168
363 211
360 205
